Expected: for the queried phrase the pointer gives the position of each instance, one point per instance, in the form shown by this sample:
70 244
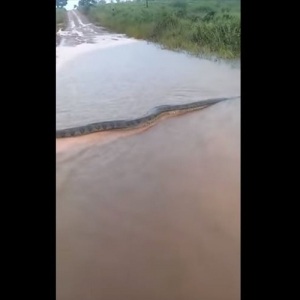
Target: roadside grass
209 27
61 18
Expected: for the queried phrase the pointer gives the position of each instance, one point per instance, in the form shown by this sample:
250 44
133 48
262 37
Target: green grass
61 18
198 26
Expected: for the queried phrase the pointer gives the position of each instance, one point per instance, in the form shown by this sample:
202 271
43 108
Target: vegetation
61 3
61 18
85 5
196 26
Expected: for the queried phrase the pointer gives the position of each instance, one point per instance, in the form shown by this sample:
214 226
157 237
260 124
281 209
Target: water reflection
129 80
153 215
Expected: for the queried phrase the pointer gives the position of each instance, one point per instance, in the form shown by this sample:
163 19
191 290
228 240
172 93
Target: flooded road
151 214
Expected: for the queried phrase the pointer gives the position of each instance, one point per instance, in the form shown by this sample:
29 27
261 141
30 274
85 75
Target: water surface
151 214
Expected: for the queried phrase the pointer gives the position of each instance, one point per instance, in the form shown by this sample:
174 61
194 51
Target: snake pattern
151 117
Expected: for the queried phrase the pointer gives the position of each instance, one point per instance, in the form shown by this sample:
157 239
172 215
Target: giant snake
152 116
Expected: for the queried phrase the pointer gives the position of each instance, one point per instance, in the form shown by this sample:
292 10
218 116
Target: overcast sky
71 4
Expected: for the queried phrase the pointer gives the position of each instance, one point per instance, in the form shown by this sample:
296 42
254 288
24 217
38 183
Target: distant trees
87 3
61 3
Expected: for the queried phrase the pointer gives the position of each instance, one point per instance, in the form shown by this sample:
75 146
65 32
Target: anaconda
151 117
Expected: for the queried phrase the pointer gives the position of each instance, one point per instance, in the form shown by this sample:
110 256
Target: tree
85 5
87 2
61 3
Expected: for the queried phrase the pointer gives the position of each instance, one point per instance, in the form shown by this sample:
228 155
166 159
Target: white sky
71 4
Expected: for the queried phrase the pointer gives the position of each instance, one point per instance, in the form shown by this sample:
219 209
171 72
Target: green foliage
196 26
85 5
61 3
61 18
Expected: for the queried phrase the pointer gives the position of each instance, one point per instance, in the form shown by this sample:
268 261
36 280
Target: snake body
152 116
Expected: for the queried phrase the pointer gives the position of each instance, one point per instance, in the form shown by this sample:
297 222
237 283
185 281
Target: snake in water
151 117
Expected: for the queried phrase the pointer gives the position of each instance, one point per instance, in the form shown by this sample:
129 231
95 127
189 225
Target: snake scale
152 116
